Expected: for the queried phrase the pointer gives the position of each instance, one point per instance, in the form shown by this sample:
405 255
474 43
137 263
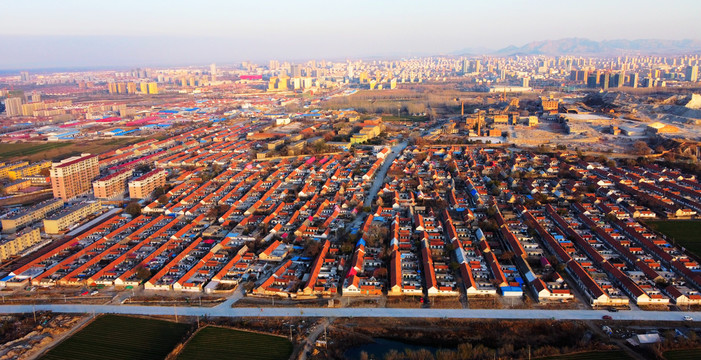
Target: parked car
606 317
688 318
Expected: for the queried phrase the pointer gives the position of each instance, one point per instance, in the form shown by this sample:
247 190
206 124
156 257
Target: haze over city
45 34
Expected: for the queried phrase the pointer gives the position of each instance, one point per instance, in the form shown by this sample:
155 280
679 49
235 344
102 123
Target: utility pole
175 311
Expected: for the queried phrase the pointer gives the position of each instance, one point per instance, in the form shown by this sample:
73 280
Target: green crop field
687 354
222 343
121 337
684 232
598 355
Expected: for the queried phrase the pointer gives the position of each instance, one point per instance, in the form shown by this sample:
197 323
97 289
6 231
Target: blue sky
88 33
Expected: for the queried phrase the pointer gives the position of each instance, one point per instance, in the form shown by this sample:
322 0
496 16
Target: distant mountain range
579 46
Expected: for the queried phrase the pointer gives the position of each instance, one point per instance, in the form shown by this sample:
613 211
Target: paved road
354 312
238 294
380 176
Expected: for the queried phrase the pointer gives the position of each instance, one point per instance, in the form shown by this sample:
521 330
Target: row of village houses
283 203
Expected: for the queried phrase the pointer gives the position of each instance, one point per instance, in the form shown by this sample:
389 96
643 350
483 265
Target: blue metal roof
510 289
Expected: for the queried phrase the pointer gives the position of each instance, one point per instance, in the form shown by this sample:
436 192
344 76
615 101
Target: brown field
403 302
269 302
37 151
484 302
446 302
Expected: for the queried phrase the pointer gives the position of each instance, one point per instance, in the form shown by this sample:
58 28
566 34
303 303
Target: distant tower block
692 73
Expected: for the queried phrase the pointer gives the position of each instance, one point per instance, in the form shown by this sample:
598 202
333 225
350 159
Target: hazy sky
60 33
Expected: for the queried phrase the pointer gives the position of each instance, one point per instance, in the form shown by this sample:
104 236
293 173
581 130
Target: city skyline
79 34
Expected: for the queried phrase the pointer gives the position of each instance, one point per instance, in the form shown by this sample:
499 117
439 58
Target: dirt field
37 151
270 302
22 337
445 302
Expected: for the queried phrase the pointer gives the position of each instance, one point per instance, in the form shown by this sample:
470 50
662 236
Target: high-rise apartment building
150 88
605 80
582 75
143 186
692 73
153 88
112 186
578 75
13 106
633 80
213 72
73 176
28 109
131 88
283 83
296 70
618 79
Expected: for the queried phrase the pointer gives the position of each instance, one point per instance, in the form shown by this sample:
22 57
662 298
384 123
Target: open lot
22 150
684 232
221 343
121 337
58 150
